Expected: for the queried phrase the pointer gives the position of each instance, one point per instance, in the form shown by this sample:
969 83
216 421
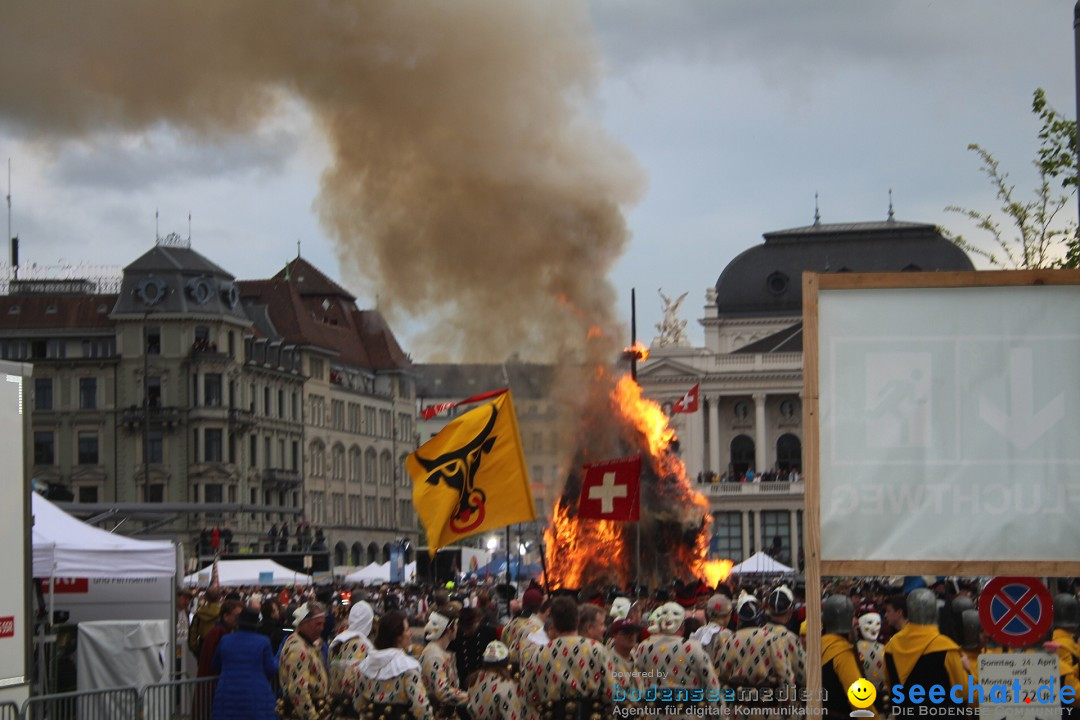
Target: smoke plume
469 185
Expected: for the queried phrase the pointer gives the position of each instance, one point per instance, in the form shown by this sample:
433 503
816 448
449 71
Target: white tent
379 572
233 573
760 564
69 548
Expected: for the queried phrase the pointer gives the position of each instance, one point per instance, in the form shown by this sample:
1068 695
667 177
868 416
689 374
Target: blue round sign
1016 611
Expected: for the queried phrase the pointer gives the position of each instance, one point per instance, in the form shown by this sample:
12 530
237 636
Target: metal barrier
178 699
112 704
9 711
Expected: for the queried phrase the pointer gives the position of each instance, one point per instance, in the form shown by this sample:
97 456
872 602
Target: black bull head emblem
458 469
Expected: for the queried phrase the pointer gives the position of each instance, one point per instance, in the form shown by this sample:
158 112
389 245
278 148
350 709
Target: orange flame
586 551
636 351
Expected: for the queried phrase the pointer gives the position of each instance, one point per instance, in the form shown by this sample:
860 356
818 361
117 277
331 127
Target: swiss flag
611 490
688 403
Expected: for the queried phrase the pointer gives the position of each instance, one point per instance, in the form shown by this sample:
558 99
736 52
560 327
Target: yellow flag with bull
471 476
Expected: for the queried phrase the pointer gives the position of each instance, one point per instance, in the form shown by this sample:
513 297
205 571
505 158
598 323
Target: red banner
65 585
611 490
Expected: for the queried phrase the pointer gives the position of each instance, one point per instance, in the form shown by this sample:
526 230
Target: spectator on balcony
284 545
272 535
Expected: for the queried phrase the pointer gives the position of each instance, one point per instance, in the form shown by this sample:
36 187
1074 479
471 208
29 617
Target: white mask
870 626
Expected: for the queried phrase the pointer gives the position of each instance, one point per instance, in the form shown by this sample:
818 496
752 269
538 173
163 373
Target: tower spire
892 216
817 212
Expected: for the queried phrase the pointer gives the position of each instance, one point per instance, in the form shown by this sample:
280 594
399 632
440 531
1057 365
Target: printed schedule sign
1020 685
949 420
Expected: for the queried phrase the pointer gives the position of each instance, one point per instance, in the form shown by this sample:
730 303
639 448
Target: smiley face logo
862 693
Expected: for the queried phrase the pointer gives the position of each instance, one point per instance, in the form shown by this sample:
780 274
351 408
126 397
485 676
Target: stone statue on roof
672 330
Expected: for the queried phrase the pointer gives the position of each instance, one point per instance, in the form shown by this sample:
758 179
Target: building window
281 403
153 341
369 465
337 508
267 407
354 509
156 447
212 493
776 534
88 393
88 448
295 405
337 414
727 535
385 469
44 448
155 493
295 455
384 423
338 462
212 389
318 507
43 394
369 510
317 369
153 391
355 470
369 420
253 450
213 445
404 515
354 418
317 460
88 494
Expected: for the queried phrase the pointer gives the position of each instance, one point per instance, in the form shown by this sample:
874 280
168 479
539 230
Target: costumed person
347 649
920 654
714 635
439 667
840 666
755 663
496 695
871 652
529 621
971 641
568 690
620 608
474 634
246 665
625 636
305 686
787 650
391 686
681 663
1066 622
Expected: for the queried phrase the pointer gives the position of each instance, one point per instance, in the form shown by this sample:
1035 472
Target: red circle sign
1016 611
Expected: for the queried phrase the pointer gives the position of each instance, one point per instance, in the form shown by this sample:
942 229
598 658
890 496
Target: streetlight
492 543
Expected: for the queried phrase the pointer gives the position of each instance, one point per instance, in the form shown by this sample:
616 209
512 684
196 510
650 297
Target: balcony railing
241 420
281 476
133 417
752 488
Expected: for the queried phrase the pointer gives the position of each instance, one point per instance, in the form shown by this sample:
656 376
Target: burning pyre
675 520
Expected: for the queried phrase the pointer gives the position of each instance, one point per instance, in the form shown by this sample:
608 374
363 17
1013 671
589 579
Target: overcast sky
736 112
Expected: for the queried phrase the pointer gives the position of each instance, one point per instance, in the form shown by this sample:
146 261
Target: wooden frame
813 566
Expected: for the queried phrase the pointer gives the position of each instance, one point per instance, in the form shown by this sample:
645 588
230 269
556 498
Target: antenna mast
11 238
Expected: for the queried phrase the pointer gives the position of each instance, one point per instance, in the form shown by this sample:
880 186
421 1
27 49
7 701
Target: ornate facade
750 373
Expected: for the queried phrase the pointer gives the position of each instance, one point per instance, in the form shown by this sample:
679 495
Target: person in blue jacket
246 665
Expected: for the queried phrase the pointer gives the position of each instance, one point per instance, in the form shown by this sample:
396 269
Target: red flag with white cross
688 403
611 490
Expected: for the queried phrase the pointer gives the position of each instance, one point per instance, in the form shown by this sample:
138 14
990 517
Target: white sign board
1019 685
946 408
96 599
15 386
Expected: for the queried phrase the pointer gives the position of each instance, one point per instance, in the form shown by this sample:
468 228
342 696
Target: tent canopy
760 563
65 546
234 573
379 572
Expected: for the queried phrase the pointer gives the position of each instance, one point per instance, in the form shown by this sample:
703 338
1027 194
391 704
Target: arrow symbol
1024 426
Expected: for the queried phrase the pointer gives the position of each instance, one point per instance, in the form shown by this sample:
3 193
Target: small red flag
688 403
432 410
611 490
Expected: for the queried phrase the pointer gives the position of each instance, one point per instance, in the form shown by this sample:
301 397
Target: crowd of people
426 654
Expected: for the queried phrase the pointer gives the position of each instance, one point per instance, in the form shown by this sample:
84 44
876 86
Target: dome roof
767 278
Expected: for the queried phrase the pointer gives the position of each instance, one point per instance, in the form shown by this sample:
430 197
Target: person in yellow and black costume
840 665
920 655
1066 622
305 686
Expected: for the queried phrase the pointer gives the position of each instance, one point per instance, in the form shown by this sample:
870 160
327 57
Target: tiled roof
309 280
47 312
330 321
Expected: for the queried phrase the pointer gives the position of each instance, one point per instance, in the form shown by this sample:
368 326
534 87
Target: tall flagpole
633 375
